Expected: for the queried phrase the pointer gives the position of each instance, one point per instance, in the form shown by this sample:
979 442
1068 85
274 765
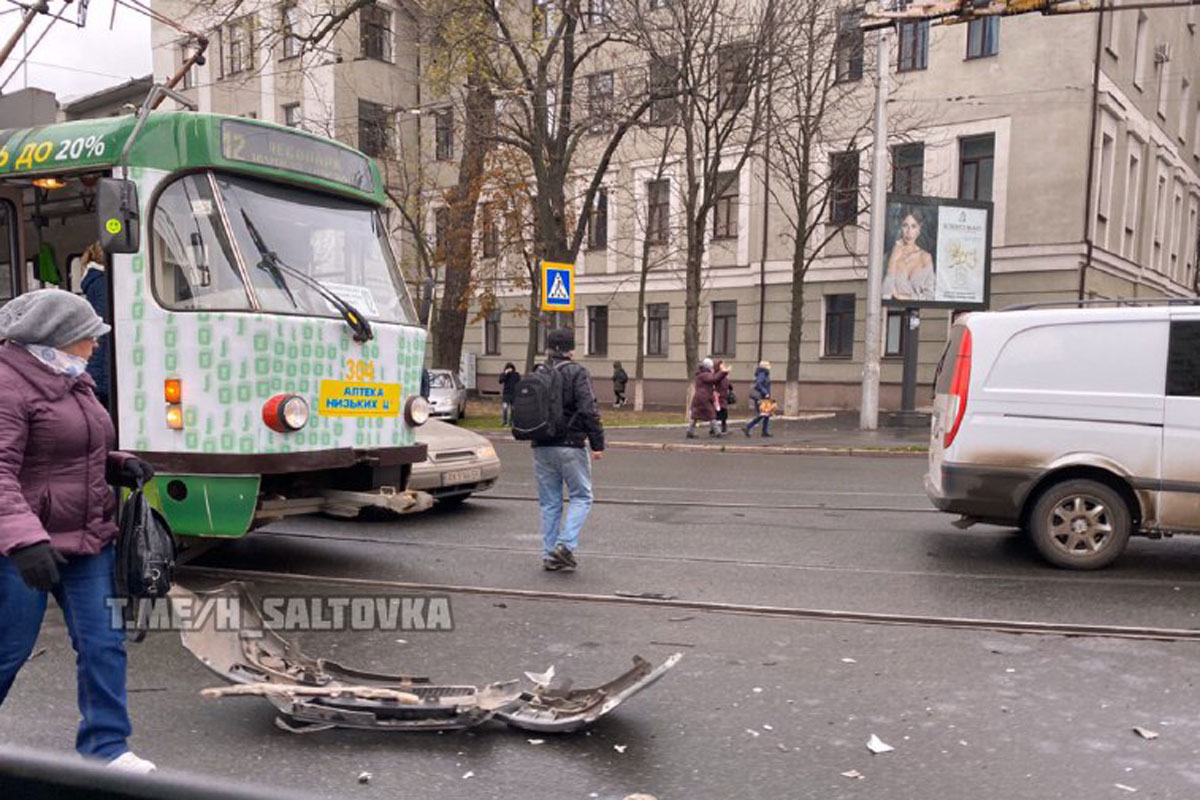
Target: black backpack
537 408
146 555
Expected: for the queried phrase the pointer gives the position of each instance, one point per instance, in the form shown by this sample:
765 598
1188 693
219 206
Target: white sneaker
128 762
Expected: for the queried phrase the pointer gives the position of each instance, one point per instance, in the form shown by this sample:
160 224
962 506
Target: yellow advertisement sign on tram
355 399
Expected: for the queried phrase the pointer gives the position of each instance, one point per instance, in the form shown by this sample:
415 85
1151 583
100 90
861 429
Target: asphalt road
758 707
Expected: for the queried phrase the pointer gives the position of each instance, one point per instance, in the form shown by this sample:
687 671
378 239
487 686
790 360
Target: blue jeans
759 417
87 583
553 467
505 412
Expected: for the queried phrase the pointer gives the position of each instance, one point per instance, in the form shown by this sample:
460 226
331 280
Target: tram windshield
210 231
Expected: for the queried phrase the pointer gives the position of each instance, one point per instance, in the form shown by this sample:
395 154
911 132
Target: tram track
675 558
757 506
1017 627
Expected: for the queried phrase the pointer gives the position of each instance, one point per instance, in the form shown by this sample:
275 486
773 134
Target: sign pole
912 342
869 413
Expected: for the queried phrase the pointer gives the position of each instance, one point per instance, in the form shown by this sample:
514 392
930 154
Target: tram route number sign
358 399
558 286
295 152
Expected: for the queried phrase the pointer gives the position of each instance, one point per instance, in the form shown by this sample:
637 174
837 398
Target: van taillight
960 380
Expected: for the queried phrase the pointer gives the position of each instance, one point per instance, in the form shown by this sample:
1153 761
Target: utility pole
869 414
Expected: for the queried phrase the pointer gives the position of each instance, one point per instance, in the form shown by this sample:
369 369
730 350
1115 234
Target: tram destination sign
278 149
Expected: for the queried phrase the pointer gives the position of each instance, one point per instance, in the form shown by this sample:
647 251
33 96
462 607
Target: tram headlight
285 413
175 417
416 411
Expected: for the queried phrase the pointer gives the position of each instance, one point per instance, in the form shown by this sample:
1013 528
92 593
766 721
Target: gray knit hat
51 317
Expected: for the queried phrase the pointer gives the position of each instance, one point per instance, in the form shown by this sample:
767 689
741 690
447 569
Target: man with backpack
555 409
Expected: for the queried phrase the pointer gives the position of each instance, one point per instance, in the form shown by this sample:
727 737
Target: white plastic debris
1145 733
468 775
758 690
536 741
364 777
849 661
783 748
1125 788
753 732
877 745
542 679
620 748
767 728
853 774
1010 669
402 641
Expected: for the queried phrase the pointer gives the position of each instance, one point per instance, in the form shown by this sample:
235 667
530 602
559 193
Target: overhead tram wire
21 61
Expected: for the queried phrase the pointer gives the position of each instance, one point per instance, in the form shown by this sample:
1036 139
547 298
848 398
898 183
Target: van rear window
945 368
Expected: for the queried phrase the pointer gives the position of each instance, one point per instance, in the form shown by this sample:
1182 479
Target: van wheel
1080 524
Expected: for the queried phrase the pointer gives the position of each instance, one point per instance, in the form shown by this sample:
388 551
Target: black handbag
730 398
146 553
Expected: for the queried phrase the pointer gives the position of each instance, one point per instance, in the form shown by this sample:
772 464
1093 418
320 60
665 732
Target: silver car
460 462
447 395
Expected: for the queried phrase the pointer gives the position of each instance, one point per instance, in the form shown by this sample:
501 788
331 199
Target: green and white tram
265 355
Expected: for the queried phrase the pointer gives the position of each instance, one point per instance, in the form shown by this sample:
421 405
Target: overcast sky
73 61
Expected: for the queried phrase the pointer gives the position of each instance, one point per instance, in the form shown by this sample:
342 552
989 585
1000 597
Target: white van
1079 425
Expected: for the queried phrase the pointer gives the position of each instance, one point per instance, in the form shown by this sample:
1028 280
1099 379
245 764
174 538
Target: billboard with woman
937 252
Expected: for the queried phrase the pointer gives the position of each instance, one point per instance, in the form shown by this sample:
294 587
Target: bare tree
711 58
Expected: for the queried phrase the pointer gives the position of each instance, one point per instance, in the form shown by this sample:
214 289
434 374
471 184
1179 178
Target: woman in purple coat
57 510
704 407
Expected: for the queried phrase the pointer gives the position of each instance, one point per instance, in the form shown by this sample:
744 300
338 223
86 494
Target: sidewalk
817 433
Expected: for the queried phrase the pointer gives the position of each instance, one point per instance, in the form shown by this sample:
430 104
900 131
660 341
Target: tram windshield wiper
275 266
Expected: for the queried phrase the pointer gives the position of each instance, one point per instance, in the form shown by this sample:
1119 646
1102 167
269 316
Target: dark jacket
508 382
56 459
703 406
620 378
762 382
95 289
721 391
579 407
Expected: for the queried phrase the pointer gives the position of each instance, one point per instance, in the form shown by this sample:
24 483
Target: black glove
38 564
135 472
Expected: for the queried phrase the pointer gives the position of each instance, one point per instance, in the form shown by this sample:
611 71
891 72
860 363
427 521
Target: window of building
372 128
976 155
441 231
1133 192
734 62
1161 89
289 24
849 45
1114 33
491 333
658 217
1185 109
843 190
1196 135
654 4
1140 49
1174 234
443 134
186 50
914 45
1160 220
551 110
658 329
839 325
599 13
489 231
664 90
600 102
239 38
724 328
291 115
597 331
1104 183
375 32
543 19
908 168
895 333
983 37
725 212
598 222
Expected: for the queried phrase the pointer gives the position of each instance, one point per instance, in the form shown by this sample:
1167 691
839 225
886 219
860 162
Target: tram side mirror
117 211
426 302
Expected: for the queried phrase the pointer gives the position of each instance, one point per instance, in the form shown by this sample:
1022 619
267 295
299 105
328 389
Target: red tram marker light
285 413
173 390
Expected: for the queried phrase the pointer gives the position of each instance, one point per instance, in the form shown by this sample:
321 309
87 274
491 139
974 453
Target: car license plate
462 476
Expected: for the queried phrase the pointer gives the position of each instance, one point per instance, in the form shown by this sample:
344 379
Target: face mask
57 360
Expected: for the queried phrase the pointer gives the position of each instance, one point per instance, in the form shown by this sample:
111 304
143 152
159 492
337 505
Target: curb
745 449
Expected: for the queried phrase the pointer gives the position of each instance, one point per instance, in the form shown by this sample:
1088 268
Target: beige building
1005 113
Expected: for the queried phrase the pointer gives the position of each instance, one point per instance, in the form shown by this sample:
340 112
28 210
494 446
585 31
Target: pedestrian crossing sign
558 286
